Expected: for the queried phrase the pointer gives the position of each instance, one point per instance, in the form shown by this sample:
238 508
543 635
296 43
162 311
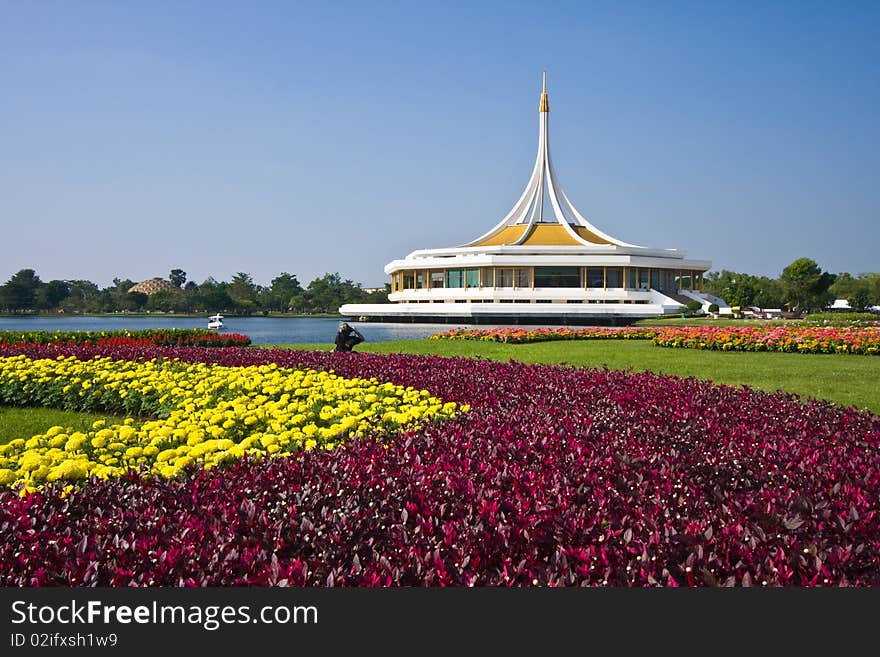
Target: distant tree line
802 286
25 292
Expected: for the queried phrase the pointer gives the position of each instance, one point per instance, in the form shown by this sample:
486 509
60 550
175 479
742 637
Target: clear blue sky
137 137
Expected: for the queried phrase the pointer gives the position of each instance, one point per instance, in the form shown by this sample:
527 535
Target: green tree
330 291
137 300
281 290
177 277
860 292
300 303
52 294
805 285
20 291
714 282
859 300
163 300
844 285
379 296
741 289
767 292
244 292
106 302
120 298
83 296
736 288
189 300
873 285
213 297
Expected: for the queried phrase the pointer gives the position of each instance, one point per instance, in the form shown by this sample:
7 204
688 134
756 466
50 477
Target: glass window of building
644 275
436 279
409 280
632 274
420 280
472 277
613 277
557 276
656 282
503 278
665 281
595 277
487 277
523 277
454 278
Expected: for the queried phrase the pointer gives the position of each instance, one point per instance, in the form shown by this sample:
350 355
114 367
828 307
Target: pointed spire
545 103
528 212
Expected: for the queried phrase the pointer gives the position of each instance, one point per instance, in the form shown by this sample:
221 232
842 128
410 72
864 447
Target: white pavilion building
542 263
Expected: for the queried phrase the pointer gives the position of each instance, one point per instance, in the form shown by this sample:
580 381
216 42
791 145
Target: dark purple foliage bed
557 476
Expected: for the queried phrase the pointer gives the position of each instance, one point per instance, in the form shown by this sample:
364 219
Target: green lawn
26 422
841 378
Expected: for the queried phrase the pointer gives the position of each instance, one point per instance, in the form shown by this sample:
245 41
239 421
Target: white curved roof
527 223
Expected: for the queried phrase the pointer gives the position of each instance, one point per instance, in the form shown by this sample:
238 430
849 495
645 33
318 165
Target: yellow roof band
508 235
589 235
542 235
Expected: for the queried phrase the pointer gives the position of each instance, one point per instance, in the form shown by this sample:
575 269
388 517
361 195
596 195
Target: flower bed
142 338
801 339
808 340
209 415
523 336
557 476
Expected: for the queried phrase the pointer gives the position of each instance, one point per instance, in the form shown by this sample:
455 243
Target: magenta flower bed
802 339
557 476
795 339
525 336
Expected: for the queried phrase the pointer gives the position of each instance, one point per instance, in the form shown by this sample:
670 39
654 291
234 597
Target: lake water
261 330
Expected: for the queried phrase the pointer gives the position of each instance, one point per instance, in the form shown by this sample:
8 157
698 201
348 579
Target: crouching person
347 338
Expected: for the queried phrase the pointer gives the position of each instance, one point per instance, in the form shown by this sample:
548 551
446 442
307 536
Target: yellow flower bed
207 414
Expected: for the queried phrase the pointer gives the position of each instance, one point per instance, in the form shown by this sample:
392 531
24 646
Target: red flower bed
141 338
198 340
557 476
801 339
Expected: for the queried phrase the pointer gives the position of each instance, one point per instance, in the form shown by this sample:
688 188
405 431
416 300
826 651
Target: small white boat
215 322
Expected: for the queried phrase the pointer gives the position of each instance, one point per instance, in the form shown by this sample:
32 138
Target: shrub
842 318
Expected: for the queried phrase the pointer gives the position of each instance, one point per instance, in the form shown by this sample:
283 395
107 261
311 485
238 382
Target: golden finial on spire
545 102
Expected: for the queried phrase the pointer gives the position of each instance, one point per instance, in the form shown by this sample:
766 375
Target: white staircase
707 300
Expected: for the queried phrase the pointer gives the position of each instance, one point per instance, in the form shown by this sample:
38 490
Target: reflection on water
261 330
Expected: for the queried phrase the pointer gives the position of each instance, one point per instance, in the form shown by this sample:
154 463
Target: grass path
26 422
